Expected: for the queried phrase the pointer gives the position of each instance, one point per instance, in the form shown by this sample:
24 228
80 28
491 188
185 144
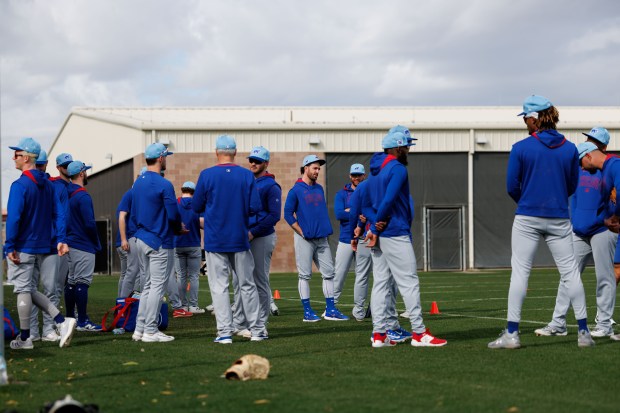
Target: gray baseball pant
317 251
173 288
62 275
21 277
187 262
363 267
262 250
45 272
219 266
602 246
344 257
130 279
81 267
394 257
158 266
526 234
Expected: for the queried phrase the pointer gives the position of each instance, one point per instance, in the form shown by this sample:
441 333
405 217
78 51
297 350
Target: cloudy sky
64 53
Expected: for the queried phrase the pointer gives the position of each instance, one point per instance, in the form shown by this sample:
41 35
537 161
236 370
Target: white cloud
64 53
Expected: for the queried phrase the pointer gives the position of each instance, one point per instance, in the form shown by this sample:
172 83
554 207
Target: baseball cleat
223 340
506 340
210 308
550 331
65 331
274 309
181 313
601 332
615 337
51 337
245 333
334 315
197 310
405 314
311 317
584 339
426 339
260 337
137 336
399 335
158 337
19 344
611 320
381 340
88 326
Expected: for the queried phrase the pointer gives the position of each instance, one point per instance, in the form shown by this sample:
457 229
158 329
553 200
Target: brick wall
182 167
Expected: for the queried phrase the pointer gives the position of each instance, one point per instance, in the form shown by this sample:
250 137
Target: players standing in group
589 208
543 171
34 213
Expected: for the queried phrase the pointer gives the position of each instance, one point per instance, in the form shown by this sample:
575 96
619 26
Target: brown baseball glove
249 367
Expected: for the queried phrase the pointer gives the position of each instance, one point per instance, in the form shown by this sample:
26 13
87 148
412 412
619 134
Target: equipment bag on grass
126 314
10 328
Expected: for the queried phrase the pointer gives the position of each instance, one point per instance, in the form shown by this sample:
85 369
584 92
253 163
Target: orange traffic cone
276 295
434 308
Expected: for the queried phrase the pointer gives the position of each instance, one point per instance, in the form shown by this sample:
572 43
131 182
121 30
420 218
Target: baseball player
593 159
342 207
305 211
387 204
83 241
48 281
126 247
61 182
187 252
226 195
34 213
154 207
262 237
590 237
543 171
363 260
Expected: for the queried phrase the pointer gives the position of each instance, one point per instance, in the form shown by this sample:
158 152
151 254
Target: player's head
598 136
258 160
357 174
589 155
41 163
397 144
225 145
77 172
62 161
26 153
539 114
188 188
157 153
311 166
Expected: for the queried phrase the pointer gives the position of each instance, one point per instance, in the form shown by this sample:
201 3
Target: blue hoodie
154 207
270 193
587 204
192 223
305 204
388 196
342 202
227 195
81 225
543 171
60 188
130 221
355 203
609 186
33 210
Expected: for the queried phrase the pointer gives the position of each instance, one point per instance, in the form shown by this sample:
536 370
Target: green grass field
330 366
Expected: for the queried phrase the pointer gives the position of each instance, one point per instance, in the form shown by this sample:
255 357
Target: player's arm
274 212
122 229
199 201
290 209
255 204
172 210
397 179
85 205
573 179
15 208
513 176
339 207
